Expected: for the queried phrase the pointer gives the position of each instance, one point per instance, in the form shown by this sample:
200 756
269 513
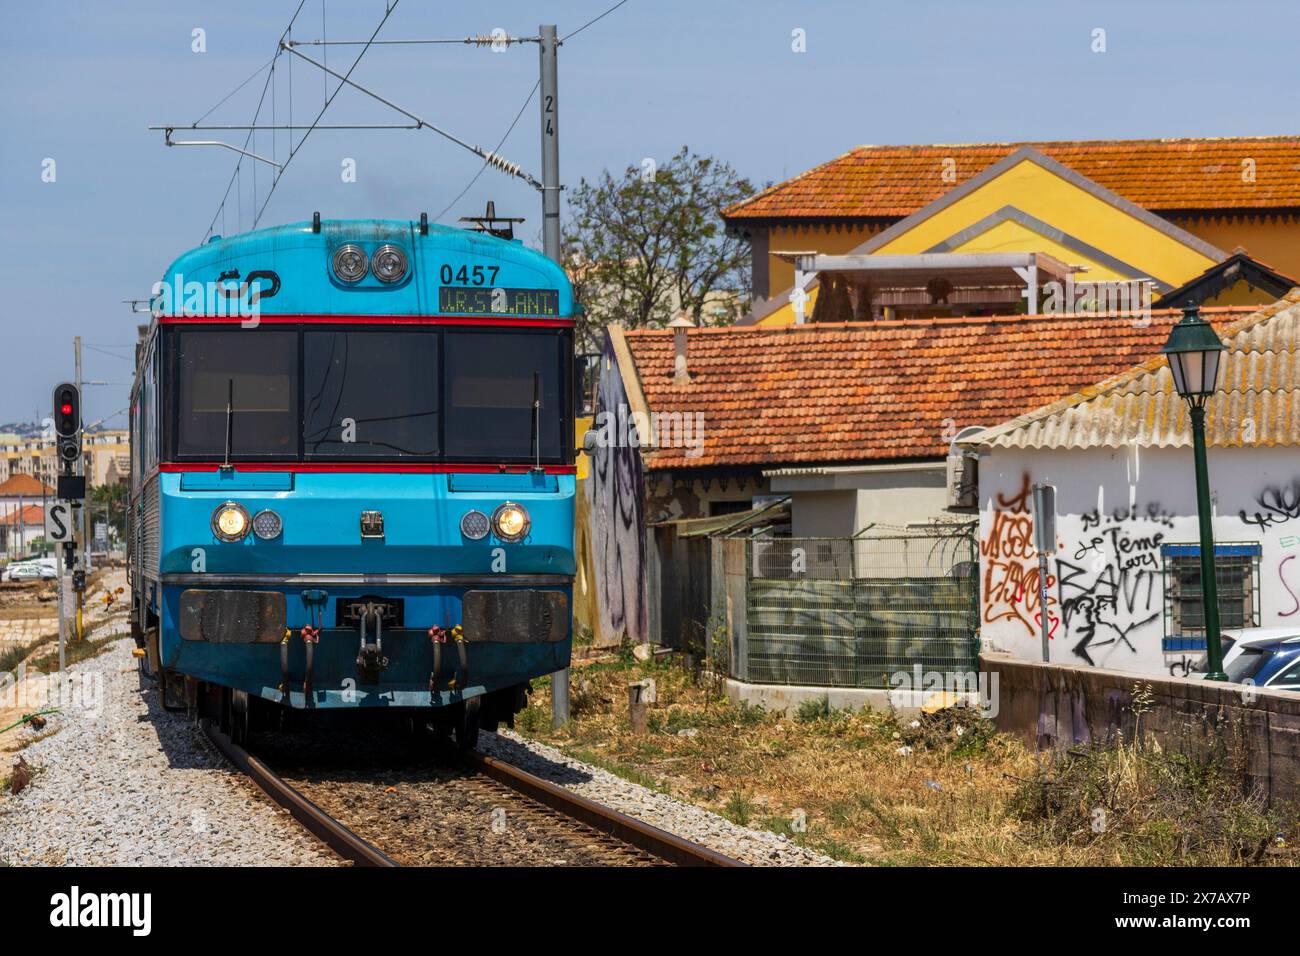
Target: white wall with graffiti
1124 519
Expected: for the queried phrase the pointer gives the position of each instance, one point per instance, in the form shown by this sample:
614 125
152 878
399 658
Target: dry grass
864 787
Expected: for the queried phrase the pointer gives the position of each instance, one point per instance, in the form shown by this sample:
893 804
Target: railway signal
67 422
71 489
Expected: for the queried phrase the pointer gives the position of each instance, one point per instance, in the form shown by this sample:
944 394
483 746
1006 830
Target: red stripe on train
366 466
514 322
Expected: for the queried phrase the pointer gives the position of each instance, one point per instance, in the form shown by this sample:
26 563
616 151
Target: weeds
739 809
1141 804
931 789
818 708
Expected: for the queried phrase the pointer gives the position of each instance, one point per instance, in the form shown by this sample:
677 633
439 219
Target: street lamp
1194 351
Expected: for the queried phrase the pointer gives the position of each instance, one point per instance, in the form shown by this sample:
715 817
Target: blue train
352 481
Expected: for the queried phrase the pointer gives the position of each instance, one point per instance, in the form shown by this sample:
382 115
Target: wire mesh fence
849 612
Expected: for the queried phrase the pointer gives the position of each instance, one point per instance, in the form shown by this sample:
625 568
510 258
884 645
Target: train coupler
370 657
314 599
284 665
310 638
440 636
437 637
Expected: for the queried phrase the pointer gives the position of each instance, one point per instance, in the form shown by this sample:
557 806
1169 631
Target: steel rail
635 833
659 843
315 820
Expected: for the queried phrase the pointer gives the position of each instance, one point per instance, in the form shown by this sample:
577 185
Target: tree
650 244
110 501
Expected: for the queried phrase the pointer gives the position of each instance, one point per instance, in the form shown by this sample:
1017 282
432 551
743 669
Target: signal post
65 512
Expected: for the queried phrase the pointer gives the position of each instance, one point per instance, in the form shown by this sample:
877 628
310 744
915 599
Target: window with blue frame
1236 572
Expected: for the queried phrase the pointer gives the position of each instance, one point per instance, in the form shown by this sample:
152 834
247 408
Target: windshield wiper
537 421
230 422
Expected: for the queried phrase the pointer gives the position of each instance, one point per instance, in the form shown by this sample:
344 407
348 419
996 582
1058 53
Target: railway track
466 809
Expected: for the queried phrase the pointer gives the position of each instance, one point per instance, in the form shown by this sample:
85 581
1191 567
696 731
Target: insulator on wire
501 163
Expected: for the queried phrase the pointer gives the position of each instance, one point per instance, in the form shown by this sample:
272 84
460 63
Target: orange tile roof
879 391
32 515
1157 174
22 484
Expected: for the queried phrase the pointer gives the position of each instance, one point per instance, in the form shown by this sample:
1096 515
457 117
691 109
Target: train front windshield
368 394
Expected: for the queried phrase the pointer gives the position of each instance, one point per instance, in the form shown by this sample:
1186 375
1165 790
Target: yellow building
107 454
1205 220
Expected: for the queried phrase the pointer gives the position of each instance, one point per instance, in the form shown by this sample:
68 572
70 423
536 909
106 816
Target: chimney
679 326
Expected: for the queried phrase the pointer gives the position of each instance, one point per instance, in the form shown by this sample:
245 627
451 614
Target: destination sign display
503 302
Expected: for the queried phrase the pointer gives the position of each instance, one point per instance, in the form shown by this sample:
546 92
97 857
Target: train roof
299 256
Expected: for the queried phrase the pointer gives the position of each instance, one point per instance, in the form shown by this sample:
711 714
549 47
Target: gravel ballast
756 847
134 785
130 784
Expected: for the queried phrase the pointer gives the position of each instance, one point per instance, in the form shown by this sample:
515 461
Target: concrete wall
1061 705
1116 509
823 514
905 497
839 504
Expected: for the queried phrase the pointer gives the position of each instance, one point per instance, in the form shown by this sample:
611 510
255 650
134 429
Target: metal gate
849 612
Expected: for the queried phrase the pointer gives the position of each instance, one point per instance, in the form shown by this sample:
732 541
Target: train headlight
474 525
388 264
511 521
350 262
267 525
230 521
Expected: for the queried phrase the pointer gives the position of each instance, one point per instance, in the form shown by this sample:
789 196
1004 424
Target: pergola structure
931 280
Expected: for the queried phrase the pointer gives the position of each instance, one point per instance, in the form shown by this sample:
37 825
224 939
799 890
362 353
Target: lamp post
1194 351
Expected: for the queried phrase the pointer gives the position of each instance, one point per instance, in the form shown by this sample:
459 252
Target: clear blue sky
82 80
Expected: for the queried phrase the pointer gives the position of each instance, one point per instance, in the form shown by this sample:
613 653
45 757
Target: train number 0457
468 275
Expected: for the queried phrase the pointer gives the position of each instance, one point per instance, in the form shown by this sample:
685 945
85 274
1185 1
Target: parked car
1266 656
43 569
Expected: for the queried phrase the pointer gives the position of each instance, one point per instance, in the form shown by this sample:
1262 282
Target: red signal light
66 408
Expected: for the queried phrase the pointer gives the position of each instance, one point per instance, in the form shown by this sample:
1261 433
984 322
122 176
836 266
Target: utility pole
550 105
81 465
79 511
550 143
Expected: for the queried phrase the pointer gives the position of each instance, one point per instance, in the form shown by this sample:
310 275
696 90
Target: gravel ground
129 784
134 785
445 816
757 847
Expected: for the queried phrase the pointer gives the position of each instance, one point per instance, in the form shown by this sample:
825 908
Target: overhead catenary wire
345 81
527 100
294 126
479 39
285 43
469 185
593 20
222 102
104 351
488 156
235 175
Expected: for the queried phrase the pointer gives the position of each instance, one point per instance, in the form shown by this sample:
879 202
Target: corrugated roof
1256 404
876 391
1157 174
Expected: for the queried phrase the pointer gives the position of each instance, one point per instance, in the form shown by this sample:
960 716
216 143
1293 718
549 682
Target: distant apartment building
107 457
